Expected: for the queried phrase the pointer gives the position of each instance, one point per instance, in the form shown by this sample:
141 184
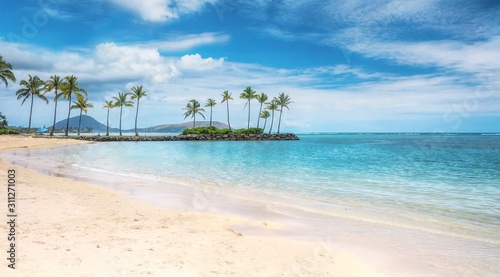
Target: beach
66 227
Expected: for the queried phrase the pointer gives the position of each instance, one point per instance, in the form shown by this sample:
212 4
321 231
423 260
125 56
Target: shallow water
423 204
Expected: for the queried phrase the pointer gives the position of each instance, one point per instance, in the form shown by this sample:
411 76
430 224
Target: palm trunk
31 111
279 121
136 114
258 118
69 113
80 122
210 116
272 121
248 126
107 124
265 122
121 108
229 124
55 112
194 120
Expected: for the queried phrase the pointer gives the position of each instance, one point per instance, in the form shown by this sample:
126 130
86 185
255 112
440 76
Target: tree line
193 107
68 89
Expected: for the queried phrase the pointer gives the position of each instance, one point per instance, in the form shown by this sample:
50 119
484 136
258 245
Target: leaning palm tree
82 104
33 87
68 88
54 83
272 106
121 101
137 93
6 72
283 101
226 96
192 108
109 105
248 94
262 98
210 103
265 115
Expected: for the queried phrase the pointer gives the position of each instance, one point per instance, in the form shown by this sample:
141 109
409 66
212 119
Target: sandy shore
70 228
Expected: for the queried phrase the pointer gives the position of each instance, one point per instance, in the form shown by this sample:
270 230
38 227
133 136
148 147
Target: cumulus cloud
197 63
162 10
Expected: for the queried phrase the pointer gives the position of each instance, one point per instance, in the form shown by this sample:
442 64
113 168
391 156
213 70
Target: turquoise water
442 190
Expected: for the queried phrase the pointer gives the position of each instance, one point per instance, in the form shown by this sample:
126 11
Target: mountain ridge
98 127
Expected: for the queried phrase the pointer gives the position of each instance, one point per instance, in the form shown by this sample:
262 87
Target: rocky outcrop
211 137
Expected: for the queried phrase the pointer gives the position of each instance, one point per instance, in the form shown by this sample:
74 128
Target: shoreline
71 226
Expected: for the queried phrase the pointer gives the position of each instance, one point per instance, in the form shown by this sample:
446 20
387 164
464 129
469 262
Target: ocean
423 204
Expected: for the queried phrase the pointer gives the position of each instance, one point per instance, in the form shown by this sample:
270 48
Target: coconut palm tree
82 104
262 98
265 115
54 83
283 101
68 88
248 94
226 96
137 93
192 108
6 72
121 101
272 106
108 105
33 87
210 103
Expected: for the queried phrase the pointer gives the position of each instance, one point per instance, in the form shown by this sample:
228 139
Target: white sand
70 228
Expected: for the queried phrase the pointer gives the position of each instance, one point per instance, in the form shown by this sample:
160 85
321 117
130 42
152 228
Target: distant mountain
178 128
87 121
97 127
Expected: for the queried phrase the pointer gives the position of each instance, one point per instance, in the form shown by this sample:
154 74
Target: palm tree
192 108
272 106
248 94
226 96
262 98
265 115
33 87
109 105
54 83
283 101
210 103
137 93
68 88
82 104
121 101
6 72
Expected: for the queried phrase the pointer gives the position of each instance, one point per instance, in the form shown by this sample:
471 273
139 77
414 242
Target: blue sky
349 66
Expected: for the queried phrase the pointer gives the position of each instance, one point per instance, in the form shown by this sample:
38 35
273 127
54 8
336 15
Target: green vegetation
215 131
108 105
54 83
3 126
226 96
68 88
33 87
137 93
210 103
121 101
83 105
248 94
192 108
6 72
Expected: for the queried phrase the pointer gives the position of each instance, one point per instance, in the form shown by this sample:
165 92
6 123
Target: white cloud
197 63
162 10
184 42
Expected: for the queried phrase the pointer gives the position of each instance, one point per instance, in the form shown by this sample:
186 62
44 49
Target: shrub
5 131
214 131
